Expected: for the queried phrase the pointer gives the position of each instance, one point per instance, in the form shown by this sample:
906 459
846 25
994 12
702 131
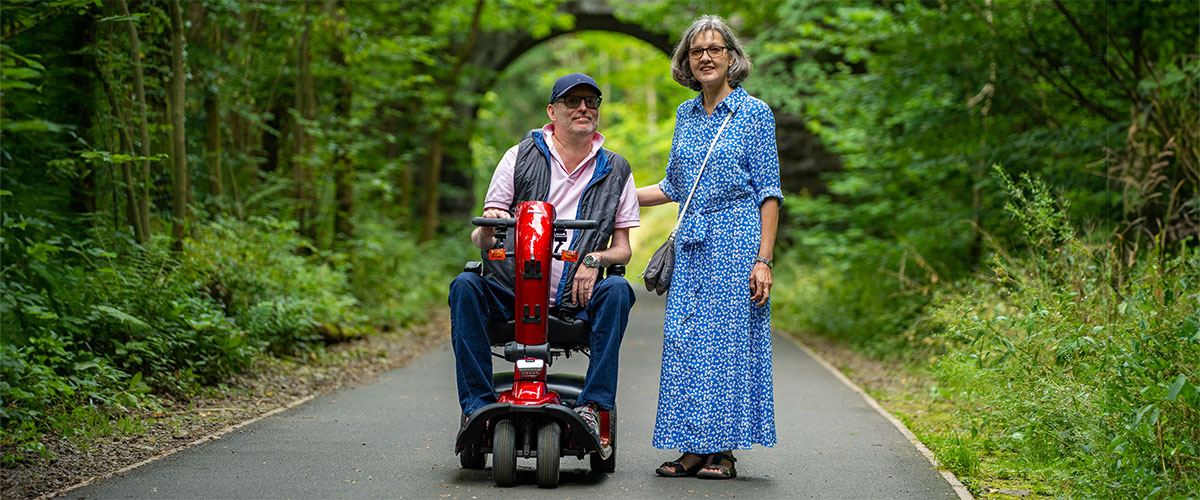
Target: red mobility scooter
533 417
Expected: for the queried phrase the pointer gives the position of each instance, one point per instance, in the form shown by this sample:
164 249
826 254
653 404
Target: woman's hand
649 196
760 283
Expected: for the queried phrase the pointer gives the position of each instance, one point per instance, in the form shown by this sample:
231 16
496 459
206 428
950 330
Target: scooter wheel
472 459
609 464
549 451
504 453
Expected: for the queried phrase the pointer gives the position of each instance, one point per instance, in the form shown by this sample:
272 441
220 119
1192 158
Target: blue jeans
474 299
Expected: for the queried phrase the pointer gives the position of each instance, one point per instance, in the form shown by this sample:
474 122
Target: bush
1074 376
396 278
100 322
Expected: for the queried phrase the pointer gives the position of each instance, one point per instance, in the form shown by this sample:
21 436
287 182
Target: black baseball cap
568 82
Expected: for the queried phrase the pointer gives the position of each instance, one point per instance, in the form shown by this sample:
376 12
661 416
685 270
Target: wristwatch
768 262
590 261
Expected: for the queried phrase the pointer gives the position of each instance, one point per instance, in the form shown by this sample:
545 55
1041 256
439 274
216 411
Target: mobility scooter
533 415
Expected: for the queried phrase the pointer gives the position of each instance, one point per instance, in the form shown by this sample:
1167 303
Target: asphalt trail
395 439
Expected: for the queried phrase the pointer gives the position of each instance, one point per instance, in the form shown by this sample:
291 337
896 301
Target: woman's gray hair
681 69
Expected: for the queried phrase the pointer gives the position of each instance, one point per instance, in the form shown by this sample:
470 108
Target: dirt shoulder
268 386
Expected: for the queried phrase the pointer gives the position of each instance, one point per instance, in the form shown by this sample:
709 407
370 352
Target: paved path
395 439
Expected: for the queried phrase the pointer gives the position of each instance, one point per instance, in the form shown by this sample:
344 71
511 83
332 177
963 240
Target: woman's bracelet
768 262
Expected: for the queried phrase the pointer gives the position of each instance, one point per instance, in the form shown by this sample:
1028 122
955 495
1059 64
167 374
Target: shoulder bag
662 264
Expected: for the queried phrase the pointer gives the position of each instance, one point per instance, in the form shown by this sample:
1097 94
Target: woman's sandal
717 468
676 468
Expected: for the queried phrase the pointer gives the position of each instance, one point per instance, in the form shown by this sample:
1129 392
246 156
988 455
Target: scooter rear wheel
549 451
609 464
471 459
504 453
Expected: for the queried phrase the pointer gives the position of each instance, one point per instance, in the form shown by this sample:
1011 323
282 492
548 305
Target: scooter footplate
474 433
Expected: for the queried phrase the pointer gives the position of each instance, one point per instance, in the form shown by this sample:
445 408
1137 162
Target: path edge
959 488
215 435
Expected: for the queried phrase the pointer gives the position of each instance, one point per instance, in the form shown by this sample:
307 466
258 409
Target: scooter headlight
530 368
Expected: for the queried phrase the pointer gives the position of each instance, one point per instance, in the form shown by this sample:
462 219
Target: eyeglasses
572 101
713 52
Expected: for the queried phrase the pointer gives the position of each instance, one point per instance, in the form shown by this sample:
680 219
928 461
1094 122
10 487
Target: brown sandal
676 468
716 468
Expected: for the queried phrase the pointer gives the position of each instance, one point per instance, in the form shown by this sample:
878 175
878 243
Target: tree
178 133
343 166
142 183
436 156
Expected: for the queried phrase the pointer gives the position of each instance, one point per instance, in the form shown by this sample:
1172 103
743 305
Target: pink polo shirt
565 192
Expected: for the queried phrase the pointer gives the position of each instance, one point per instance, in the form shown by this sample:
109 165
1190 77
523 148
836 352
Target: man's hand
485 237
496 213
584 284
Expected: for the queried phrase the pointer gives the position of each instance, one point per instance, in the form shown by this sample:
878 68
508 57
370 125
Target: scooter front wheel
504 453
549 451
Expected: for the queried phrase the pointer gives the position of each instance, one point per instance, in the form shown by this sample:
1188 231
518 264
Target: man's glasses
713 52
572 101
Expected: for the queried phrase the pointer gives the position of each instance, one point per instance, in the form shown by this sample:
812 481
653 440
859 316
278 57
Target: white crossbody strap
697 181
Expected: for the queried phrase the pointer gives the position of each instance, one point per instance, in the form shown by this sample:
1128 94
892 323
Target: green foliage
99 321
396 278
1070 377
636 117
271 280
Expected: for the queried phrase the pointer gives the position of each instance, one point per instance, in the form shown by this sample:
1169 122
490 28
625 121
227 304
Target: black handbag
661 265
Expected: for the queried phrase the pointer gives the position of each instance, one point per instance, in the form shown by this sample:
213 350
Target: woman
715 393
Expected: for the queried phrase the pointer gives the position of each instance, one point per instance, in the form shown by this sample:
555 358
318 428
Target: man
585 182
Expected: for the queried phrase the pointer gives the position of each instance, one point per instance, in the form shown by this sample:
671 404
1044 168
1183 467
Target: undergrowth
94 325
1055 365
1071 373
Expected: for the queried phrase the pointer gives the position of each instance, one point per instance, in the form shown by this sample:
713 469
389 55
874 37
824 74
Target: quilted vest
600 201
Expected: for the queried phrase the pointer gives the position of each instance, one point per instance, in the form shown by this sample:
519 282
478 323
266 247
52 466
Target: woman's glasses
713 52
572 101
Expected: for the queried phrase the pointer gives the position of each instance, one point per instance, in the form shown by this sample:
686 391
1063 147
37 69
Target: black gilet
600 202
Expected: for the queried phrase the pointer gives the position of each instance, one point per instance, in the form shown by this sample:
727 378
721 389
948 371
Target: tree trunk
83 192
125 145
406 175
212 145
212 131
143 182
178 137
342 164
436 156
301 173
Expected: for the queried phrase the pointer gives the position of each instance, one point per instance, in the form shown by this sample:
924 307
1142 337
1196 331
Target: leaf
31 126
1138 419
21 73
1173 391
122 317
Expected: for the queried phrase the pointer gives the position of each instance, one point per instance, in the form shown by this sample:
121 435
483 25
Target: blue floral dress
716 390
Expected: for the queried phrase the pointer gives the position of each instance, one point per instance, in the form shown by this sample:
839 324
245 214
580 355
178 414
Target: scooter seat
564 333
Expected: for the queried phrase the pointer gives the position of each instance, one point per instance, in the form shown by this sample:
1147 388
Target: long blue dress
716 390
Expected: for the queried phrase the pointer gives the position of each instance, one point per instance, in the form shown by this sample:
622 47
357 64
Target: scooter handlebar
493 222
558 224
576 224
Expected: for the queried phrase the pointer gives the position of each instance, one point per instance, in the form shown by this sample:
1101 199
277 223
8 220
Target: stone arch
496 51
802 158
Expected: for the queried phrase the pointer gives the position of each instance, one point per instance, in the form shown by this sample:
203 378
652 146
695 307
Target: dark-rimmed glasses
713 52
572 101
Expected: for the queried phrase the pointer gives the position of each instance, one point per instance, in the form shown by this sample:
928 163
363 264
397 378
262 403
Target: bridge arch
801 155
